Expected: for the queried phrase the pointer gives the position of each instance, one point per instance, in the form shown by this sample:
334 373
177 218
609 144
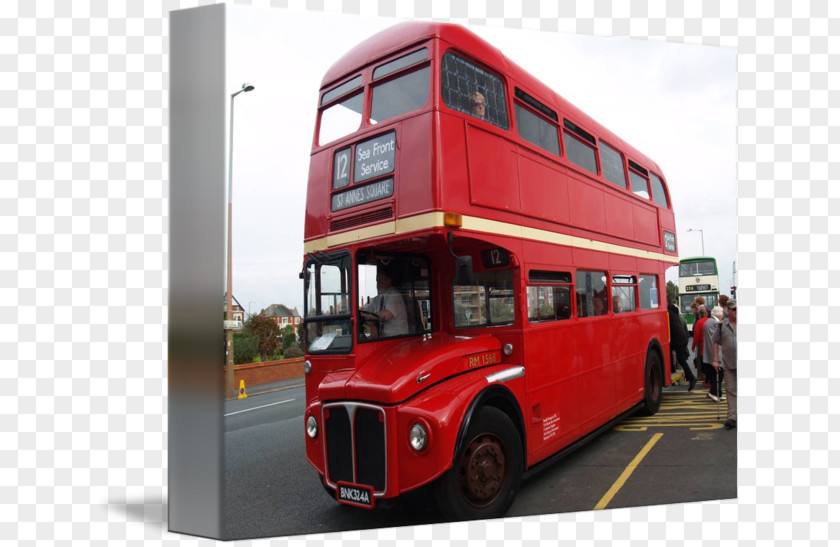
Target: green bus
698 277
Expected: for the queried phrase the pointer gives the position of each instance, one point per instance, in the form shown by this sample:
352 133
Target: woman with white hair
709 357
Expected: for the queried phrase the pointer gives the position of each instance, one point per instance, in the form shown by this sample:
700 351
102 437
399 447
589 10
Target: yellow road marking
627 472
693 411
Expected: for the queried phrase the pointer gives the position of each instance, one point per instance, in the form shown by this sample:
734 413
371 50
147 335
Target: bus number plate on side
354 494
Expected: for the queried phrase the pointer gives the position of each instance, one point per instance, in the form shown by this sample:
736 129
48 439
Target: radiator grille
364 218
366 437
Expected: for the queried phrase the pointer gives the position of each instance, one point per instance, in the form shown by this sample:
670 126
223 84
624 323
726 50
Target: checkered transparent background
83 258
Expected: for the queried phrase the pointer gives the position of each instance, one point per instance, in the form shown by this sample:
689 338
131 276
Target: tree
301 332
288 337
267 333
245 348
672 292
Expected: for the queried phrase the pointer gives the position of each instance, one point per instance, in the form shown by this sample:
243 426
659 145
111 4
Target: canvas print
474 273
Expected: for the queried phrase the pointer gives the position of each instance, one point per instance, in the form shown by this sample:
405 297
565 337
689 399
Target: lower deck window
488 301
623 298
648 292
623 293
549 303
591 293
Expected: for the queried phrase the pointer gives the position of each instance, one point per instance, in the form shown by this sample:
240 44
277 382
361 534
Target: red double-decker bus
484 274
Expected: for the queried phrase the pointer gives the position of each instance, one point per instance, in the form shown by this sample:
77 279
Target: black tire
653 383
486 472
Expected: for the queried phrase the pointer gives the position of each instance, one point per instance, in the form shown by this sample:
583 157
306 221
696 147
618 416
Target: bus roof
403 35
698 259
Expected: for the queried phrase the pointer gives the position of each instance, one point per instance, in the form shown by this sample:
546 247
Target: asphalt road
273 491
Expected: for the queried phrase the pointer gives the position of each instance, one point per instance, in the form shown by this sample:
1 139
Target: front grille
367 435
339 458
364 218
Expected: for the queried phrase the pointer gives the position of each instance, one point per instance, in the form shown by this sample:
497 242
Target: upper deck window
341 119
707 267
638 180
472 90
658 190
580 147
534 128
398 64
343 89
400 95
613 164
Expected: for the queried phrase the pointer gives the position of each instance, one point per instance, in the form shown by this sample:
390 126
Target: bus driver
386 315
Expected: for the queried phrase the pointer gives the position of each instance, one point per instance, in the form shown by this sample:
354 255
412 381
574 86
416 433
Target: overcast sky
675 103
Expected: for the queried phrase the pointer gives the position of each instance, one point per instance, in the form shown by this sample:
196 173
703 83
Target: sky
675 103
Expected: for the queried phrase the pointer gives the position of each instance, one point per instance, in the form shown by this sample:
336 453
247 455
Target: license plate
354 494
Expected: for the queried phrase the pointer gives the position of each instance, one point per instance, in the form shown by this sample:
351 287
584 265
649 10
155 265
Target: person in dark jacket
679 343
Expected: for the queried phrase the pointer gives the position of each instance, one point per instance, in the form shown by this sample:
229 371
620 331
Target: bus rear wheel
653 383
486 472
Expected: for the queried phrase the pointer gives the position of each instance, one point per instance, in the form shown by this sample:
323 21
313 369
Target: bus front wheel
653 383
486 472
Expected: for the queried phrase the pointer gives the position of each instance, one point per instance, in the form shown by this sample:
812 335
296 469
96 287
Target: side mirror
463 270
463 265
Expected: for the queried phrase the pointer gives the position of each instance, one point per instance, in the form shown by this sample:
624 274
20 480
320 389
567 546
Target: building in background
283 315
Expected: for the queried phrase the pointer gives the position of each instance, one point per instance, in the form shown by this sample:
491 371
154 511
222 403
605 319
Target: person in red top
697 344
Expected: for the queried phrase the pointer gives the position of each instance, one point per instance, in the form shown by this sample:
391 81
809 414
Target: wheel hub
482 470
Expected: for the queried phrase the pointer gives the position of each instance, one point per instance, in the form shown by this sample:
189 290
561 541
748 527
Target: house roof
279 310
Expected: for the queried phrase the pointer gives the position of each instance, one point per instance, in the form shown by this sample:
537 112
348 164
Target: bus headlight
312 427
418 437
307 367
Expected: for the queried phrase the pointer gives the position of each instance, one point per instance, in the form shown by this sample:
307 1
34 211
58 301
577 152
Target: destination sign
670 241
341 169
360 195
695 288
375 157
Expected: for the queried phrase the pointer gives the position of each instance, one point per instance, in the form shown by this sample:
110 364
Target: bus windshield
687 299
327 303
394 296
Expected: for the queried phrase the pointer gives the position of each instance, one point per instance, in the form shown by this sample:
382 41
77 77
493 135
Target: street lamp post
702 245
230 387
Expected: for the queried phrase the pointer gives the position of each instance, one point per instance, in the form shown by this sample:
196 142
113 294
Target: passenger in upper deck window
478 106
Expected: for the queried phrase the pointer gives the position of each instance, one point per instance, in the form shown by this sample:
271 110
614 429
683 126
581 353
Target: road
273 491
